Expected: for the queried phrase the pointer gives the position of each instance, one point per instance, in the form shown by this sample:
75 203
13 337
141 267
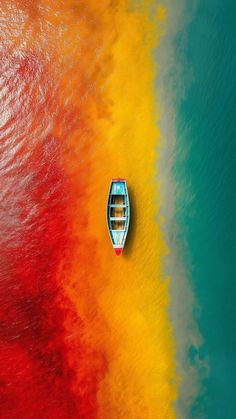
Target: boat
118 214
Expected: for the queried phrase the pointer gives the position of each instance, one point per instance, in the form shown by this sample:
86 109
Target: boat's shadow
132 226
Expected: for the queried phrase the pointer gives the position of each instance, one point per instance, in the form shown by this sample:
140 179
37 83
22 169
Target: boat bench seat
115 231
117 206
118 218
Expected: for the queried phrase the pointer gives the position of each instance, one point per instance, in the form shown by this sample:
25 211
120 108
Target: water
206 207
81 331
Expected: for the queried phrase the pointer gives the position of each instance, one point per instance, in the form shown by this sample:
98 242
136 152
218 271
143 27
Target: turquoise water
206 128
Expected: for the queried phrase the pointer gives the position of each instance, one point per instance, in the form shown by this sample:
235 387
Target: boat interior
117 225
117 210
118 199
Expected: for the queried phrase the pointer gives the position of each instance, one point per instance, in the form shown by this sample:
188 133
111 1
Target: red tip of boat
118 179
118 251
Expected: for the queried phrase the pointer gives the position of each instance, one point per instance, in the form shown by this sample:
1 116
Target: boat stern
118 250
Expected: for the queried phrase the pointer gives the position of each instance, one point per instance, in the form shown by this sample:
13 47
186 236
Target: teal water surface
206 206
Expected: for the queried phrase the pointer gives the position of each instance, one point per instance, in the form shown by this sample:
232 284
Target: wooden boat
118 214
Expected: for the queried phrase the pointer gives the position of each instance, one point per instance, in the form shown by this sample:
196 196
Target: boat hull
118 214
